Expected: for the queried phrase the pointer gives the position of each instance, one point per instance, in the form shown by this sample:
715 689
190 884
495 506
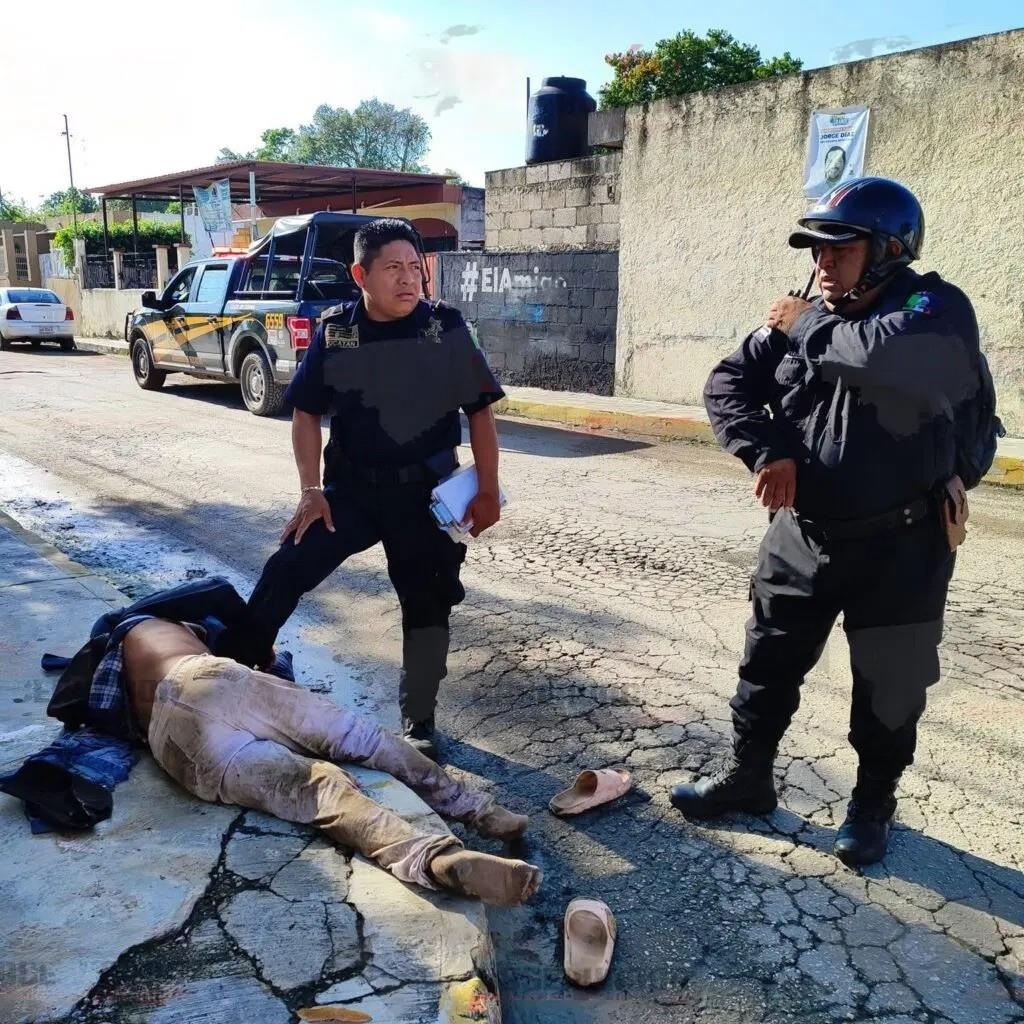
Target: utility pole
71 174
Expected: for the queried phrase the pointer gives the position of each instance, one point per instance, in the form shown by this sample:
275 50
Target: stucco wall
711 184
70 293
104 310
564 204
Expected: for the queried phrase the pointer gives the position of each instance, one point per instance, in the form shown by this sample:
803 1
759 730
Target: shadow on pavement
559 443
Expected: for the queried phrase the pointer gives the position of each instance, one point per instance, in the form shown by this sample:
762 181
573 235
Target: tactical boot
862 839
421 735
743 783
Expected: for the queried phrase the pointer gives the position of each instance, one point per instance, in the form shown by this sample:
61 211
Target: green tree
374 134
68 201
11 209
453 177
276 144
688 63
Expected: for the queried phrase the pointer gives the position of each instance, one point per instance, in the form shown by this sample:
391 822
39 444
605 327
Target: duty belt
871 526
414 473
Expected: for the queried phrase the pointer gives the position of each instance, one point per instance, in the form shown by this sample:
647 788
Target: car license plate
46 330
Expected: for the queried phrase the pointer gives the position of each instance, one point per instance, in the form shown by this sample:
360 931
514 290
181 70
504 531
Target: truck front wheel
147 376
262 395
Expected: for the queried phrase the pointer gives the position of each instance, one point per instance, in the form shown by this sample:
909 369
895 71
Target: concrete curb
667 428
106 346
616 416
438 946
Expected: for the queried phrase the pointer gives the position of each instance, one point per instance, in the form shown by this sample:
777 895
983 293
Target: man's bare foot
500 823
504 883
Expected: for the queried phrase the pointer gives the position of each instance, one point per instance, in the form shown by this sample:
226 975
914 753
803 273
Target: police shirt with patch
864 406
395 387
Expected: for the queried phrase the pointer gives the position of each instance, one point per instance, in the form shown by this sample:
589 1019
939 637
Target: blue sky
199 86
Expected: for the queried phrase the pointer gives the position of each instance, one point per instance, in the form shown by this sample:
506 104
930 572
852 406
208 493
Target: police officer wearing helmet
844 407
394 371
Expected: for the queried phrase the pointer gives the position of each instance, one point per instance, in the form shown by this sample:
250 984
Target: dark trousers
423 563
891 591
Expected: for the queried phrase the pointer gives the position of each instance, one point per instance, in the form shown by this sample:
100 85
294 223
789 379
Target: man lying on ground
231 734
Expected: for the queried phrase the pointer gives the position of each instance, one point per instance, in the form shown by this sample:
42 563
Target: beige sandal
589 934
590 789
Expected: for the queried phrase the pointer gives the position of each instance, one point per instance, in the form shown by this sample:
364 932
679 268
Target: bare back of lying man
230 734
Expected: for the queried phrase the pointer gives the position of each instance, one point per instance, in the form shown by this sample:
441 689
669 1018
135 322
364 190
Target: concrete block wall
543 319
556 206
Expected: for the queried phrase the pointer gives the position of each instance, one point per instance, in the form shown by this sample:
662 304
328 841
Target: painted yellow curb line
650 425
1007 471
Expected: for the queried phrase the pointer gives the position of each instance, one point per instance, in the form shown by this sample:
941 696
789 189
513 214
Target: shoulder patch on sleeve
925 303
334 311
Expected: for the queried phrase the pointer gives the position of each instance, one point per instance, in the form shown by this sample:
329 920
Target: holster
953 511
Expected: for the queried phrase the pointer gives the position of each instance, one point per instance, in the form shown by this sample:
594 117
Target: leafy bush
688 63
151 233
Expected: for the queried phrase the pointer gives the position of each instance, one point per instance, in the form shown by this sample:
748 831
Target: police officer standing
844 408
394 370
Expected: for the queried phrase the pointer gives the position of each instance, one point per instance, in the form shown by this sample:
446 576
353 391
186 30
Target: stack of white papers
449 502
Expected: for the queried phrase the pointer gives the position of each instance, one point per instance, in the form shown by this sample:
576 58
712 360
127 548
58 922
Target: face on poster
836 148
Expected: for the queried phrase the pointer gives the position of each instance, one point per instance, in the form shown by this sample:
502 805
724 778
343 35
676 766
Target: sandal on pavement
589 932
590 789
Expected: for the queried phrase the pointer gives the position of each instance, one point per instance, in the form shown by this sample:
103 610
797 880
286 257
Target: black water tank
557 120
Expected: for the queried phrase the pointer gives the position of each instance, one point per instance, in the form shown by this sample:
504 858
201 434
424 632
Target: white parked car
35 315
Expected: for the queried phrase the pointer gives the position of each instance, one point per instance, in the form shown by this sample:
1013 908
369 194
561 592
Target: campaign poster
836 148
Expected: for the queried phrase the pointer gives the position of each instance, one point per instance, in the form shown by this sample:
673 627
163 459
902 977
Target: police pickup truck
247 318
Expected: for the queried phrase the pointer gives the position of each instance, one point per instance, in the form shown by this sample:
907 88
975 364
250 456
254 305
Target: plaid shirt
107 693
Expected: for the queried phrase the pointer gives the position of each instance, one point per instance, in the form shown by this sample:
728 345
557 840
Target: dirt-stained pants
228 733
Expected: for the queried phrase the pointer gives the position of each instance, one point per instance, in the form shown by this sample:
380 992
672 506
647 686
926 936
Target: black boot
744 782
862 839
421 735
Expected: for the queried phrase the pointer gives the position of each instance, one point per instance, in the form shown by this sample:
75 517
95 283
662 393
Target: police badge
338 336
432 332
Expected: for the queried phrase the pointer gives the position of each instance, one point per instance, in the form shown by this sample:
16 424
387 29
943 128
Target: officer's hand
785 312
484 510
775 484
312 506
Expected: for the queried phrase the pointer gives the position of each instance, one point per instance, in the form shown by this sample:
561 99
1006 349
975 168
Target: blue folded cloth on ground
69 783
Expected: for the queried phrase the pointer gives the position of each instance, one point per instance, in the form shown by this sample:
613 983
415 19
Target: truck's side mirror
150 301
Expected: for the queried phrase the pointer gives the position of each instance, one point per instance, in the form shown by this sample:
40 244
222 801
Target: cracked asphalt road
602 627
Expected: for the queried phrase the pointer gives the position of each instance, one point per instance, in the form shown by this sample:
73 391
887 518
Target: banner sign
215 205
836 148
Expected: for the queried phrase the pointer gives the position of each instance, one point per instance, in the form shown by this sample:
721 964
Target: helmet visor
814 233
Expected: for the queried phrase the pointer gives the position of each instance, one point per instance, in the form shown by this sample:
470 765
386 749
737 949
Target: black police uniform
395 389
865 409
